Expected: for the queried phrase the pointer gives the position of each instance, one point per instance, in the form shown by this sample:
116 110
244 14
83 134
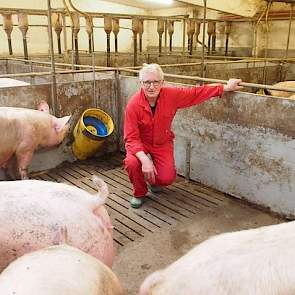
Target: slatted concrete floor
177 203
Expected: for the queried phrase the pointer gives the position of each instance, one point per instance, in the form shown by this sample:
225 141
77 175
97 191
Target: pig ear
61 122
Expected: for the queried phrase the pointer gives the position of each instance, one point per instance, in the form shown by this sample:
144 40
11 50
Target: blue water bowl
98 125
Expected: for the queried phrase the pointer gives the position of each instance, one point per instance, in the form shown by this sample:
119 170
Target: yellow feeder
90 132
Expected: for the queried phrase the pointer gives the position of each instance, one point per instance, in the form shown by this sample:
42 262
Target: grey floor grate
178 202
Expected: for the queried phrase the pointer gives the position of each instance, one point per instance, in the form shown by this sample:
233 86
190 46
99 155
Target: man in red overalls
147 128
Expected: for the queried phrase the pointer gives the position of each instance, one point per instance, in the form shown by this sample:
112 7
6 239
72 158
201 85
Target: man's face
151 84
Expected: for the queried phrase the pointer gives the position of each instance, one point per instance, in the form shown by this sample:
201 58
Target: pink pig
25 130
32 212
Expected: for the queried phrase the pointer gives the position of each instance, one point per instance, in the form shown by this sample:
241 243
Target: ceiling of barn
151 4
247 8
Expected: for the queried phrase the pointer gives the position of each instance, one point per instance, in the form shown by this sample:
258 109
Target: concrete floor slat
176 204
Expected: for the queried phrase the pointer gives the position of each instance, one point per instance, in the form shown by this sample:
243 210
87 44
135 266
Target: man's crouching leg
134 170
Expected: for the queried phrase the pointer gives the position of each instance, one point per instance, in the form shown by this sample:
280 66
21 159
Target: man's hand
148 169
233 85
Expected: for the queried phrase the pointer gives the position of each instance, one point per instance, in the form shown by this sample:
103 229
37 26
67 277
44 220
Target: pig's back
10 128
19 124
58 270
32 212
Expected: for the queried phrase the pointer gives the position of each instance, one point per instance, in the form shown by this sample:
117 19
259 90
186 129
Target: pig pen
241 145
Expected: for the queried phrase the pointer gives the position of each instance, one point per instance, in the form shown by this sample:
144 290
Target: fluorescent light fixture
165 2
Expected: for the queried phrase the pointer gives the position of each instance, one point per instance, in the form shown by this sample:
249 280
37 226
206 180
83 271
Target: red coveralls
152 134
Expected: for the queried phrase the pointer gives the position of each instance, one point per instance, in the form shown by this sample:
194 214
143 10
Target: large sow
33 211
23 131
59 270
258 261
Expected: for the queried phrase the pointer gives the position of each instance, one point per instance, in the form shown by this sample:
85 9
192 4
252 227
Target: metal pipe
160 30
254 53
266 41
217 81
203 40
8 27
135 30
64 27
108 29
40 74
165 35
289 30
188 159
53 84
183 36
23 26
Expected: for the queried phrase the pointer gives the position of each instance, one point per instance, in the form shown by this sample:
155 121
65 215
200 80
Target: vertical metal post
53 74
95 105
266 43
203 40
289 30
134 49
188 159
165 36
64 29
183 36
108 50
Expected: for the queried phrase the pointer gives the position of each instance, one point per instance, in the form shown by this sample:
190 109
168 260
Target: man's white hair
151 68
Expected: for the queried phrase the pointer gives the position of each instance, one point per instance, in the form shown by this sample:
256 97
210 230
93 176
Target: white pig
251 262
59 270
286 84
25 130
32 212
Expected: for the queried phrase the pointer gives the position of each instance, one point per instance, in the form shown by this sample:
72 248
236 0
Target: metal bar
53 84
187 159
165 36
64 30
36 74
203 40
58 45
217 81
135 49
10 46
108 50
26 56
289 31
183 37
61 64
266 41
160 44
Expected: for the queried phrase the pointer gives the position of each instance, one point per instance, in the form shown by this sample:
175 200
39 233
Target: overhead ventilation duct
140 32
170 32
108 29
116 29
135 30
56 20
8 27
160 30
23 25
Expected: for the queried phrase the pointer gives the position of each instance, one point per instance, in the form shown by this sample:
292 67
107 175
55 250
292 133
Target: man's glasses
147 83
